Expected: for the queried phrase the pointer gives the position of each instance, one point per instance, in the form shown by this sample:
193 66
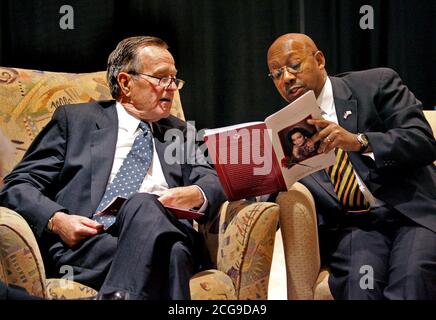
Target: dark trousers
380 255
147 253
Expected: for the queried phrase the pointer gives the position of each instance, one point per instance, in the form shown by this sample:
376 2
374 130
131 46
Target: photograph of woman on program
296 143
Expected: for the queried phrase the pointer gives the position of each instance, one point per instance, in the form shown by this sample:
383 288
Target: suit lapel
345 105
103 145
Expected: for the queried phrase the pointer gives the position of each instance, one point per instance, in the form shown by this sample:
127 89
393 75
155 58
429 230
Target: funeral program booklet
258 158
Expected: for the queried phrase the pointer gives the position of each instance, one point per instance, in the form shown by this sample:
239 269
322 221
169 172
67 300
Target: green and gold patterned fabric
28 99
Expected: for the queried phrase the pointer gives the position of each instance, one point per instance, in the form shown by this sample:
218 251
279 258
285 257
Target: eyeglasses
277 74
164 82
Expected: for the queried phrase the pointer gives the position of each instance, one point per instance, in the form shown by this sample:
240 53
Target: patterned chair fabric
64 289
19 254
240 240
29 98
212 285
246 246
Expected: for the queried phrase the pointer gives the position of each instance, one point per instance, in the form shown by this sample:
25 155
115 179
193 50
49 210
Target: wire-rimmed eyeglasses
164 82
277 74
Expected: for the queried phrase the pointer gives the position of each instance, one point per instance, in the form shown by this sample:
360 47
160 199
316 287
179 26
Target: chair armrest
322 289
19 254
299 229
212 285
245 245
3 277
64 289
430 115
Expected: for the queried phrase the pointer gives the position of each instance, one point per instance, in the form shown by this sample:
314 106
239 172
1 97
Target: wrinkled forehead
157 60
283 50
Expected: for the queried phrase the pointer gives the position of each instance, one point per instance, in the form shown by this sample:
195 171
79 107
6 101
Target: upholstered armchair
305 278
240 239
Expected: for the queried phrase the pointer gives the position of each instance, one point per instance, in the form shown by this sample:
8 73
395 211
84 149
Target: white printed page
290 136
208 132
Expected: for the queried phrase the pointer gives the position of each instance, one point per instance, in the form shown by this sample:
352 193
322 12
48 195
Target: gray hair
124 58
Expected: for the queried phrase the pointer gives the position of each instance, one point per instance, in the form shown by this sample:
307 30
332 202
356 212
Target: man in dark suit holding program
90 153
377 206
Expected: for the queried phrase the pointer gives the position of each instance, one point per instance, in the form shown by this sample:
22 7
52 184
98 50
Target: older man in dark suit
90 153
377 206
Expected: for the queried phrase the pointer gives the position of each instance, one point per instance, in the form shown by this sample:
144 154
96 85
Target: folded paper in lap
114 206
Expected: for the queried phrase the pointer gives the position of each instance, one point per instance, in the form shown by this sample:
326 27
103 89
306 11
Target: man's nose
288 76
172 86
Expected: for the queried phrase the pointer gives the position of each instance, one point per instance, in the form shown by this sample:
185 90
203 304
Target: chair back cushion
430 115
28 99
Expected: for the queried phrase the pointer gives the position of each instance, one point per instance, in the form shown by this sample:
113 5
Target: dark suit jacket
403 174
68 165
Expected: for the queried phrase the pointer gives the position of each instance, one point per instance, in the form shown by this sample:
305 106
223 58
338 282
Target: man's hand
182 197
333 136
73 228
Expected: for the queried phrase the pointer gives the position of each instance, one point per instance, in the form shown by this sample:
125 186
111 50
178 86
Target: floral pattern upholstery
241 244
29 98
19 254
212 285
64 289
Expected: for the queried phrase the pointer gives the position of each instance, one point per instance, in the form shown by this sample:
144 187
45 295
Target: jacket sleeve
201 173
29 187
407 141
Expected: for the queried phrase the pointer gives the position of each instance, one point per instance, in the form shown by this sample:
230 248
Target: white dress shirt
128 129
326 103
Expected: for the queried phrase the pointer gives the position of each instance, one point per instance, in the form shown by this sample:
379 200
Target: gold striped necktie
345 183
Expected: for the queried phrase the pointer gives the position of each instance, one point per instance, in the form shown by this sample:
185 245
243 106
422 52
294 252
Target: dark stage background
220 46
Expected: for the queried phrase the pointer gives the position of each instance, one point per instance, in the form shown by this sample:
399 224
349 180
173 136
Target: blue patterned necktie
131 174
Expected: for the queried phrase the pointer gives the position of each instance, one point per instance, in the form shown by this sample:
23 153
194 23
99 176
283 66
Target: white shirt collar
325 99
126 121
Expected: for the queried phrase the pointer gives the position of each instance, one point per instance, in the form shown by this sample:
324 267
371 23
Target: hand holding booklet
114 206
259 158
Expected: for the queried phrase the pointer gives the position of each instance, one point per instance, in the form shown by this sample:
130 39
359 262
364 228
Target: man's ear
320 59
125 81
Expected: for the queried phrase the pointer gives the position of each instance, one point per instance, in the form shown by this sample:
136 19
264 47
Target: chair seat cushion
63 289
212 285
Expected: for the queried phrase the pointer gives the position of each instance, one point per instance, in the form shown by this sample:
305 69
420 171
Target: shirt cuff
205 203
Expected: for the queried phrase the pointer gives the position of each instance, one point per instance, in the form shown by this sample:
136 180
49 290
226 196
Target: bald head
296 66
298 40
